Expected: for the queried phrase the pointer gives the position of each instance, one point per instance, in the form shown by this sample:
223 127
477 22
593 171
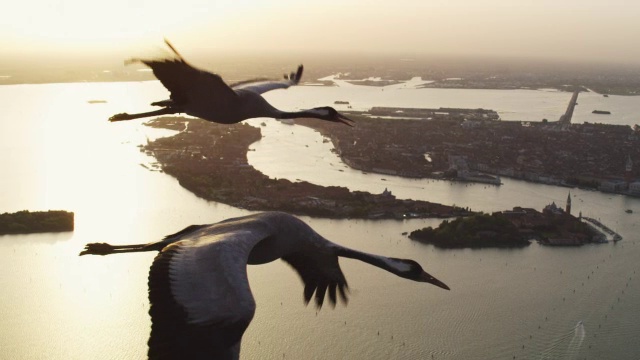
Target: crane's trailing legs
126 116
106 249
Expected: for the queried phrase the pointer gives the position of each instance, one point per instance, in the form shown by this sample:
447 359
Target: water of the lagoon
59 152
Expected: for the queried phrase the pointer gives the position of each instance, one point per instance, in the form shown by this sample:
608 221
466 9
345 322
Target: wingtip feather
298 75
132 61
166 41
295 77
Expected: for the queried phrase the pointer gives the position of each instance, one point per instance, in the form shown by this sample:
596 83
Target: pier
603 228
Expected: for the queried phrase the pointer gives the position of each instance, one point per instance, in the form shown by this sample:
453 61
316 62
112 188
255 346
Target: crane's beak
425 277
345 120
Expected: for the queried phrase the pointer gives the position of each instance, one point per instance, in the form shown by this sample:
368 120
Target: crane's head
411 270
330 114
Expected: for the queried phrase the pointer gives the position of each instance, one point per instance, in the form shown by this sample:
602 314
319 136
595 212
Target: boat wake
576 342
567 345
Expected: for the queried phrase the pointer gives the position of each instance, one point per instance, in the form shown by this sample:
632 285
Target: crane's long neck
309 113
382 262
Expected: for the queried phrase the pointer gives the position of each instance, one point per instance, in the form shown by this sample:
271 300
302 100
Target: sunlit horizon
582 31
435 88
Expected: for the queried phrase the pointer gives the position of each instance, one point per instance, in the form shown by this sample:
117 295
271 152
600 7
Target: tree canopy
27 222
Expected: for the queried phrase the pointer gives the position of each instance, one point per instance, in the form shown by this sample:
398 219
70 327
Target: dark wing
172 337
188 84
260 86
319 274
199 293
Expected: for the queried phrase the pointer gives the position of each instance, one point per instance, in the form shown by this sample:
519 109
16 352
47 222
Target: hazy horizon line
29 59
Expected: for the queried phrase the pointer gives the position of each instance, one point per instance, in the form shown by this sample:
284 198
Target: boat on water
629 211
601 112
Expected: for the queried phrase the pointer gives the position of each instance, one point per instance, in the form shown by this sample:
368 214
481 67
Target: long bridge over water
566 117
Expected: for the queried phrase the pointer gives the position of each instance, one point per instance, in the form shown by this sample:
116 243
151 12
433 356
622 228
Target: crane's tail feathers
106 249
174 50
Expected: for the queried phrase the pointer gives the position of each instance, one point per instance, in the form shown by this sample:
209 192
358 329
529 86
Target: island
210 160
475 231
28 222
553 226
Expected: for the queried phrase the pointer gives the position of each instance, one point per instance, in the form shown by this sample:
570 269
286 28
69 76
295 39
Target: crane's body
201 302
205 95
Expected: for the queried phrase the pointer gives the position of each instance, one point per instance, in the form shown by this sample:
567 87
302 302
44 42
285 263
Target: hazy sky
595 30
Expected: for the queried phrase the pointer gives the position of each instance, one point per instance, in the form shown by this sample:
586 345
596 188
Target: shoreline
210 160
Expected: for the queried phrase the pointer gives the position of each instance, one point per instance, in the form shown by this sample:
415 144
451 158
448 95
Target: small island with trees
29 222
475 231
553 226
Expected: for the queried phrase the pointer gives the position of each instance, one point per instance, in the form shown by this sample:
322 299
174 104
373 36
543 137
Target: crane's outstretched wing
199 293
319 277
260 86
188 84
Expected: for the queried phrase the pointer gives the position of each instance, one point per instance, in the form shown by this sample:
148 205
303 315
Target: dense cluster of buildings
587 155
554 226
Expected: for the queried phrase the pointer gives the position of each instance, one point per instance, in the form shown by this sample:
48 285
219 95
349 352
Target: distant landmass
444 72
28 222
